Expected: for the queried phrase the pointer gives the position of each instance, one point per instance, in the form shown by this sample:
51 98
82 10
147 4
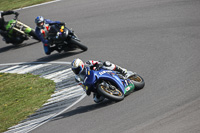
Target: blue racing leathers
42 34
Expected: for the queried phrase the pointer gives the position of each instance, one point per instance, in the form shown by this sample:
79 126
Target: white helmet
77 66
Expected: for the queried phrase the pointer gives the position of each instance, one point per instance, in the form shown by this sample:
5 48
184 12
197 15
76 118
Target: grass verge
15 4
20 96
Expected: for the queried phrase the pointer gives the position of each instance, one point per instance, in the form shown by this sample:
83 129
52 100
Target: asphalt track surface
158 39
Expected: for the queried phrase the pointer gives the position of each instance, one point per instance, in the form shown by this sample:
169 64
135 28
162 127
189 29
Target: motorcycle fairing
112 77
129 86
108 75
9 25
28 30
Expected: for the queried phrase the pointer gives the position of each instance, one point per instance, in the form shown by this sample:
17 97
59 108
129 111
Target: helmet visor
40 24
77 70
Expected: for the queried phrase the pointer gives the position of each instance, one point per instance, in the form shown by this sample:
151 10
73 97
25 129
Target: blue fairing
93 76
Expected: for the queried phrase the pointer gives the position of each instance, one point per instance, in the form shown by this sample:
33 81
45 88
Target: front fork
23 29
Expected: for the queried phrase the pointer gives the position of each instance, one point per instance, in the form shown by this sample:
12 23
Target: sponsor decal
103 72
86 88
61 29
128 88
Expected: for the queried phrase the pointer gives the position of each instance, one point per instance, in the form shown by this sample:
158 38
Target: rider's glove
16 15
88 92
85 88
88 63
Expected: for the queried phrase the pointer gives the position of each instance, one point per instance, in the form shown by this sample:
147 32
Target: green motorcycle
17 29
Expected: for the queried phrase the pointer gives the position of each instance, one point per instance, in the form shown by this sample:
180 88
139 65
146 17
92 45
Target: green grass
15 4
20 96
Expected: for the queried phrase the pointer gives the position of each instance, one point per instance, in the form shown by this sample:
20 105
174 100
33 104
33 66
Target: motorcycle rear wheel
112 94
138 82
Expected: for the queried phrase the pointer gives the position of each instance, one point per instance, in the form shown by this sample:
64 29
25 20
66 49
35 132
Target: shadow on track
57 56
84 109
13 47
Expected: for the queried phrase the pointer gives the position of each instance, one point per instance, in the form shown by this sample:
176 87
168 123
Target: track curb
67 93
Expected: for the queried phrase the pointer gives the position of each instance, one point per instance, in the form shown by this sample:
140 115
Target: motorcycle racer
8 38
80 70
42 29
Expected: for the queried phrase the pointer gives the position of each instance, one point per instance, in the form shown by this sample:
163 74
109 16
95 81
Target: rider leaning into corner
3 31
80 69
42 29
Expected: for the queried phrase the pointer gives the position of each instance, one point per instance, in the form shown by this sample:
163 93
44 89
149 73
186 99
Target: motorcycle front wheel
113 93
78 44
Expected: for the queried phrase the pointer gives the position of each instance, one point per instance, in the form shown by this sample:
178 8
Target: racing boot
97 98
50 50
123 71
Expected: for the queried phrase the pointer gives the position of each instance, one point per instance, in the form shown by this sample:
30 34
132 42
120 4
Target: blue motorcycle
111 84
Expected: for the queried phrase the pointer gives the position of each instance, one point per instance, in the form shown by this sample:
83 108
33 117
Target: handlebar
57 24
16 20
96 67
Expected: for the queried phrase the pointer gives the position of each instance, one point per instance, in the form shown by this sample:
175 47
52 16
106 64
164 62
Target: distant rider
80 69
8 38
42 29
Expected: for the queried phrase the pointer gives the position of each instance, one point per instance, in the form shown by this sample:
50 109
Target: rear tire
78 44
138 81
17 40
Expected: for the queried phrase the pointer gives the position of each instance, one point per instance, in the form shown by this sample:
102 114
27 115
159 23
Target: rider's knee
107 63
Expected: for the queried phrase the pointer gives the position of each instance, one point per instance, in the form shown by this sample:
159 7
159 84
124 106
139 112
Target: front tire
78 44
113 94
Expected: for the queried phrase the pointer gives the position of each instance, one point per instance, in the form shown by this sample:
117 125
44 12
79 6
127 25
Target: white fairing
67 32
130 73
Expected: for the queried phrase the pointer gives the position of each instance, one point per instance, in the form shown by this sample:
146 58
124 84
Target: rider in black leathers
4 32
42 31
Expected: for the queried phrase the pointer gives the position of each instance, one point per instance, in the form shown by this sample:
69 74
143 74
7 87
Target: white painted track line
63 98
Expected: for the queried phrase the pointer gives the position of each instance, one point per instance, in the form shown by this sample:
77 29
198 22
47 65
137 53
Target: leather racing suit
92 65
42 34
